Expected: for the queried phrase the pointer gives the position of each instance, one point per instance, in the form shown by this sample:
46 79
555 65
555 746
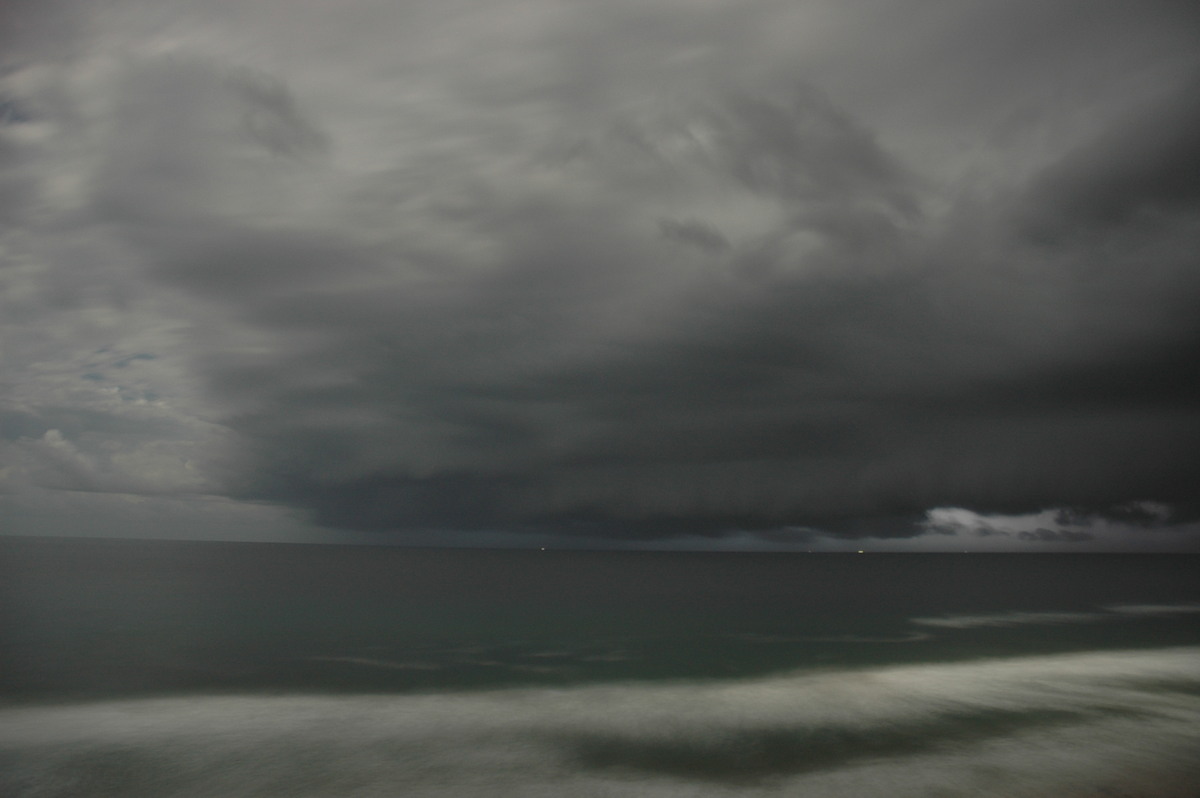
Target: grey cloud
806 148
1134 513
191 139
590 276
518 371
1146 165
12 112
841 376
271 116
1043 535
16 424
696 233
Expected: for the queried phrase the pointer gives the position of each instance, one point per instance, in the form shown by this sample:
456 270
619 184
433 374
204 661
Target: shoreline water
163 669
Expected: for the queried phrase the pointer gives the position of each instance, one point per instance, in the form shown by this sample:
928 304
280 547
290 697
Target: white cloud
1059 529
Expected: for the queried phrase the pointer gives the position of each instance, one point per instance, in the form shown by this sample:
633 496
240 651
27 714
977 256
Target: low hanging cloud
1056 535
1138 526
624 273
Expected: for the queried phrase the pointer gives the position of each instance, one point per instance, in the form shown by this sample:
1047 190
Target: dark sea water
137 668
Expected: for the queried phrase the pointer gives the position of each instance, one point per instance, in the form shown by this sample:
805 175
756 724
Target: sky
679 274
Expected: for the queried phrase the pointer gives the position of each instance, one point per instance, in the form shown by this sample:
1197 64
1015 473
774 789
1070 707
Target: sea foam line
1033 726
1110 613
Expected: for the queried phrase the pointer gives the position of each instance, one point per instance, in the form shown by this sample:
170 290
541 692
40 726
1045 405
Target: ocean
160 669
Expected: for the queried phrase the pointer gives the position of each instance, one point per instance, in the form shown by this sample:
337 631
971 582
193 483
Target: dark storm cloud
624 271
1044 535
868 371
1146 167
698 234
518 396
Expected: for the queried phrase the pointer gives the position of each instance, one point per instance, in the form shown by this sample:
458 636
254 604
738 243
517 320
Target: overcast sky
726 274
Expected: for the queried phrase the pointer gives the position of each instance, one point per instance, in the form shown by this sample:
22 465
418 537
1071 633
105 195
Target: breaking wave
1112 724
1116 612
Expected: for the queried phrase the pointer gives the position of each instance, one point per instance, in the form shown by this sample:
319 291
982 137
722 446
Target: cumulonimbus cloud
587 273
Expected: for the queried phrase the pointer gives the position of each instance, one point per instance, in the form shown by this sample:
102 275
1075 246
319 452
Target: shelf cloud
617 272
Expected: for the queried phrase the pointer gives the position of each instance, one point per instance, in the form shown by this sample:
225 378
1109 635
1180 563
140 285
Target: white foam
1008 619
386 664
998 619
1038 726
1155 609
